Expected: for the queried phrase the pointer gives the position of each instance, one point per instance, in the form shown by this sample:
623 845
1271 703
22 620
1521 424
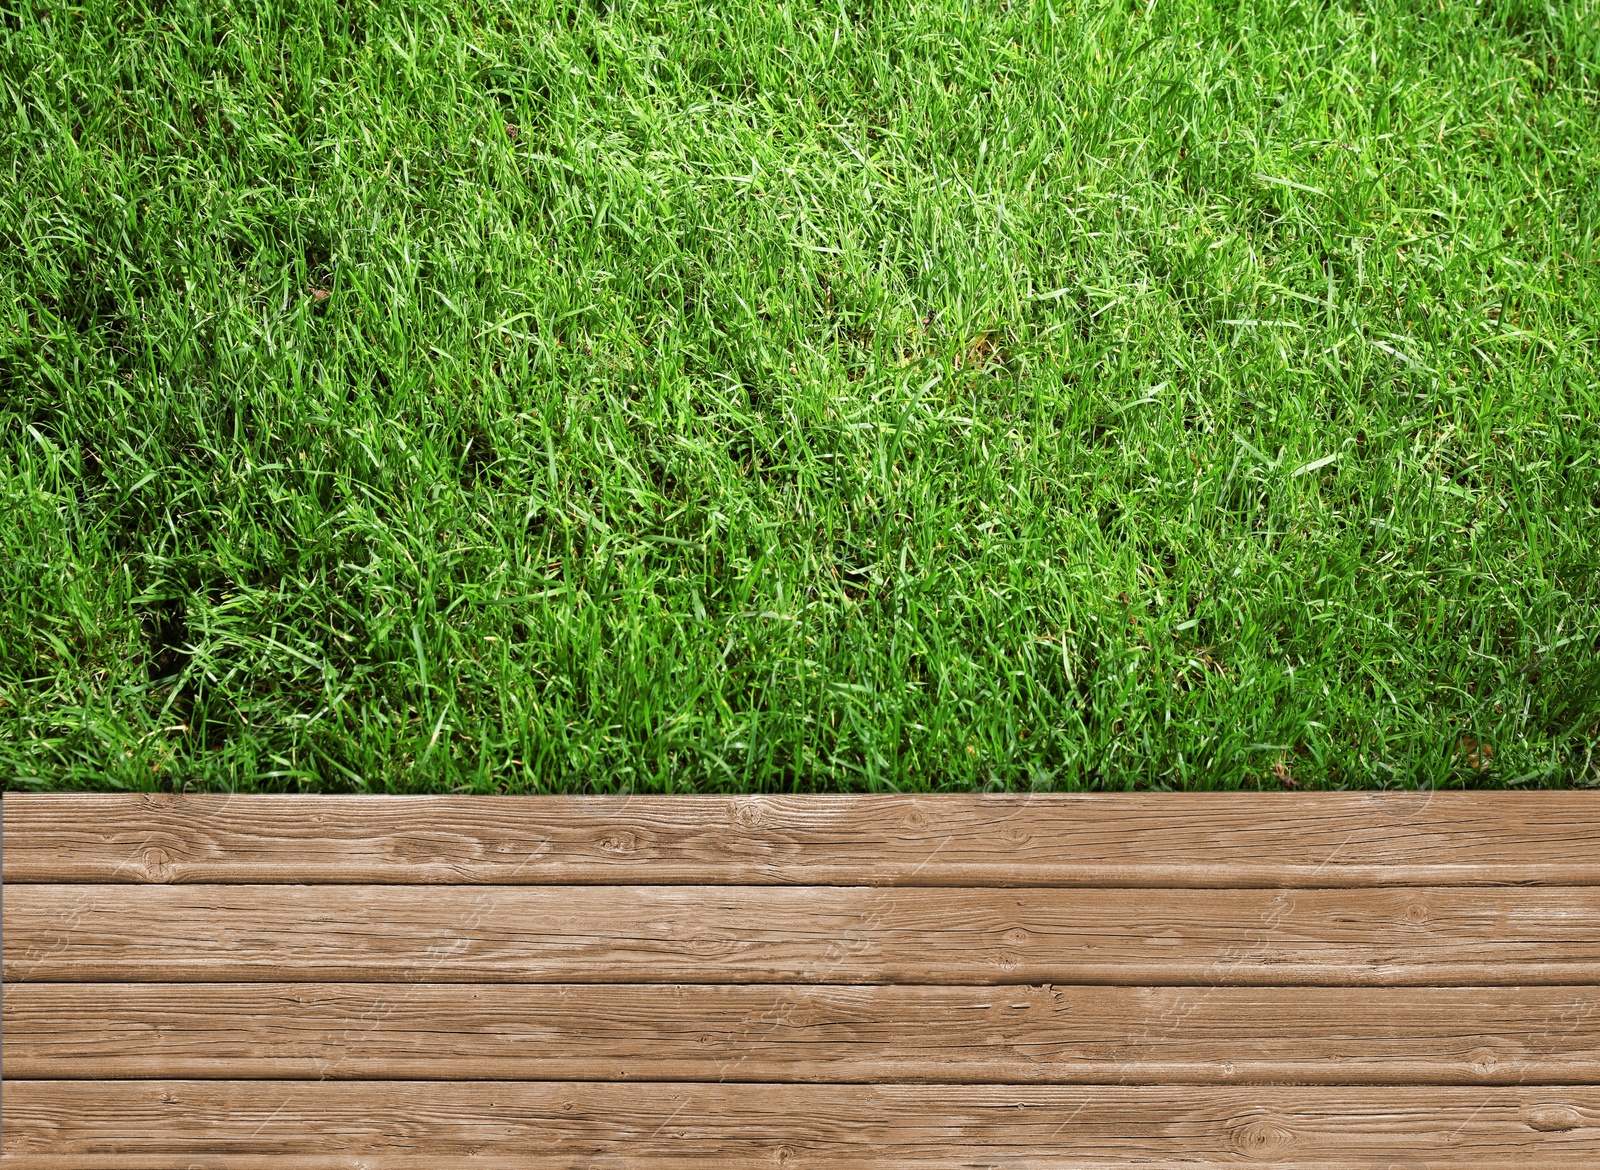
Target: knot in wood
1260 1138
1483 1060
158 864
1551 1118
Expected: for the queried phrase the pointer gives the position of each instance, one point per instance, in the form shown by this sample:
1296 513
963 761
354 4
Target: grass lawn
866 394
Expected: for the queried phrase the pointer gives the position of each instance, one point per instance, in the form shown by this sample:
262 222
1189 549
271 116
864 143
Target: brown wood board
358 1125
1188 840
799 1033
770 934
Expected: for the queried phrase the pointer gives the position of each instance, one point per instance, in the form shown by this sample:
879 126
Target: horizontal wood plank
53 1125
1193 840
778 934
1012 1035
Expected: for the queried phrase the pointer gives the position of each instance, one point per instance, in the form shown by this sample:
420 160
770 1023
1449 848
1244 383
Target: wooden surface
363 1124
773 934
1186 840
843 1034
1305 980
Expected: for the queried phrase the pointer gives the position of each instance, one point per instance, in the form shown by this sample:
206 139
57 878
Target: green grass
751 395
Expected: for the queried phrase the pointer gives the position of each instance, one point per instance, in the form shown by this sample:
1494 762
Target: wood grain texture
1012 1035
778 934
350 1125
1193 840
1328 980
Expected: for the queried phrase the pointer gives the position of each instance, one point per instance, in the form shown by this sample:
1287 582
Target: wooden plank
953 1035
784 934
248 1124
1215 840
